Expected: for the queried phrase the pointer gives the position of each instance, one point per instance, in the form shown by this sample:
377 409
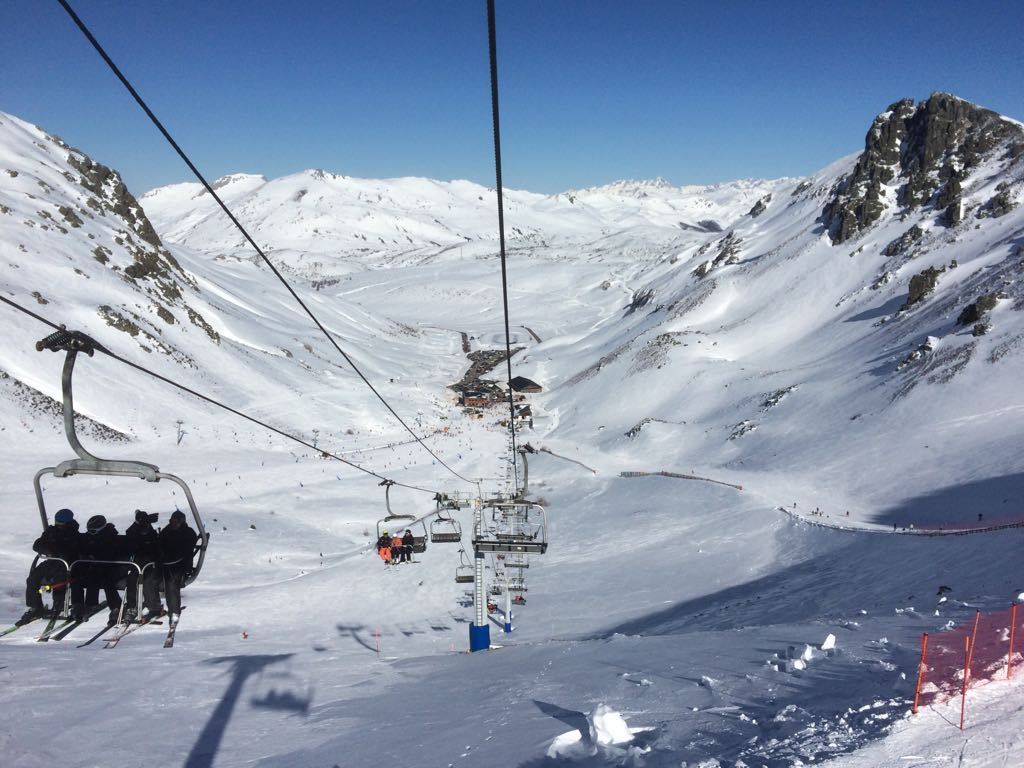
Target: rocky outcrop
640 299
152 267
921 153
921 285
759 207
904 241
976 310
1000 204
112 195
727 252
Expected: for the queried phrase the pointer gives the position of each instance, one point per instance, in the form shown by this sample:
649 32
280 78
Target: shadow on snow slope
997 498
740 643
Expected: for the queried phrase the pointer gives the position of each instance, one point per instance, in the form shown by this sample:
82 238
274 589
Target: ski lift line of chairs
73 342
516 527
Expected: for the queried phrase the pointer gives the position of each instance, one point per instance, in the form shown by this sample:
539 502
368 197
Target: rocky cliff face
57 203
916 156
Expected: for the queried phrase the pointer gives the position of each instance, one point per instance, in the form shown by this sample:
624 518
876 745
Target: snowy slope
756 351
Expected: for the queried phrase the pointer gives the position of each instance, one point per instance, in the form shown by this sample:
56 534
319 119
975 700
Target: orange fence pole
974 637
1013 627
963 690
920 670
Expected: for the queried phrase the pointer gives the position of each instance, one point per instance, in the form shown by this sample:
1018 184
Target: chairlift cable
493 45
202 179
100 348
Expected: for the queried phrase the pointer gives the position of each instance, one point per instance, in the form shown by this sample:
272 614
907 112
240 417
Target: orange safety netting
977 651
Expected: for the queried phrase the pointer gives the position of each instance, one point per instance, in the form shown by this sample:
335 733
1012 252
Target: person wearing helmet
384 546
177 547
102 542
59 545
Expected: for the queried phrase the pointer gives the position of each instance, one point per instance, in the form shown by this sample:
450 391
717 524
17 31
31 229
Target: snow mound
609 738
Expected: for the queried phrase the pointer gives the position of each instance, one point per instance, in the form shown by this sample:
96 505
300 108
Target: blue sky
591 91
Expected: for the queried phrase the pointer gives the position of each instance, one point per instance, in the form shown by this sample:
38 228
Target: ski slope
665 608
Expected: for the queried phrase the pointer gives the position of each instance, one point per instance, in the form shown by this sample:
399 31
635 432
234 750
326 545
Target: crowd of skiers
397 549
100 558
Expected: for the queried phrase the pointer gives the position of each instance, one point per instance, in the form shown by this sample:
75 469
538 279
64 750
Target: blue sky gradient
591 91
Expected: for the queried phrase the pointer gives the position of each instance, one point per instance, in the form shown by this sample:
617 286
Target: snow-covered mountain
850 342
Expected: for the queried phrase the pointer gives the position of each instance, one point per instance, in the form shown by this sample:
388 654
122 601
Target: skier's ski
112 642
97 636
172 627
49 628
53 627
60 634
18 626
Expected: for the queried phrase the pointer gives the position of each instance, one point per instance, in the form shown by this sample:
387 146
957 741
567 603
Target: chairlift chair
464 573
518 527
394 522
445 530
73 342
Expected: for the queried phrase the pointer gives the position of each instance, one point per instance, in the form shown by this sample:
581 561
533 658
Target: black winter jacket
104 545
143 543
177 546
59 541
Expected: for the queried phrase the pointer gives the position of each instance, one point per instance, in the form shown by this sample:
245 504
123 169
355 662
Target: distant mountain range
845 291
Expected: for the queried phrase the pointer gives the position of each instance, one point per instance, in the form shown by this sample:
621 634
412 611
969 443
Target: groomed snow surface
672 622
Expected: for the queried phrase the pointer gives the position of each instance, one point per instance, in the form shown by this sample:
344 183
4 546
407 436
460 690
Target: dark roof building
523 384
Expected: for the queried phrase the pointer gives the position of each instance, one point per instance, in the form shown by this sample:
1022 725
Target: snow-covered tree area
759 400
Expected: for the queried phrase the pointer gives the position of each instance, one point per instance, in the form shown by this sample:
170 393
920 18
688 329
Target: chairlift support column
479 630
508 607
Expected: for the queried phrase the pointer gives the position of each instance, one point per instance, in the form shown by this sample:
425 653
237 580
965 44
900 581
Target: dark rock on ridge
930 148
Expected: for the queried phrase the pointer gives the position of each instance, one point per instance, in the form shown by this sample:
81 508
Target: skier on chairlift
384 547
101 542
177 545
144 549
60 542
408 541
398 550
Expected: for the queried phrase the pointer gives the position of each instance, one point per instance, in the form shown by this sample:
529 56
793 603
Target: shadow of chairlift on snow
280 691
355 632
204 751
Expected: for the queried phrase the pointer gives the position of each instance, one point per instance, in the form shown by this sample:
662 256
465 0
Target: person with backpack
143 545
59 545
101 542
177 546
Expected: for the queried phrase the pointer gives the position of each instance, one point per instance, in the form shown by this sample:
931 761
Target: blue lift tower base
479 637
